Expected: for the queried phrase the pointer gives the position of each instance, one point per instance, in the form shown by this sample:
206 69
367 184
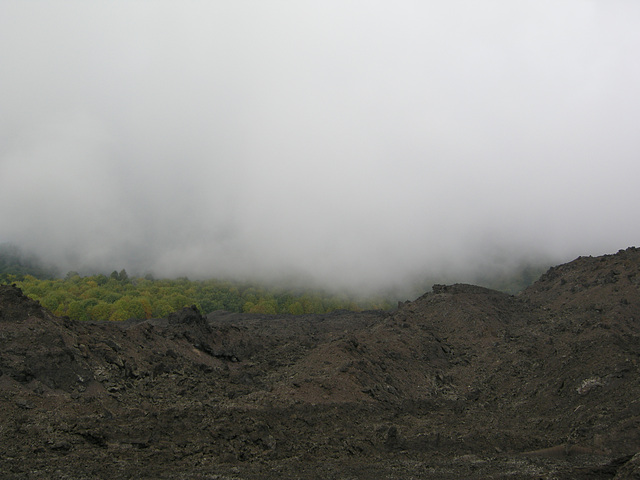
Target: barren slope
462 382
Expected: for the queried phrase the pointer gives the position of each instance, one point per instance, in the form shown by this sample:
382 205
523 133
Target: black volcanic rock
187 316
15 306
464 382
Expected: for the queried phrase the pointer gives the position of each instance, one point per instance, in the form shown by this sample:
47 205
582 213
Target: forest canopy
120 297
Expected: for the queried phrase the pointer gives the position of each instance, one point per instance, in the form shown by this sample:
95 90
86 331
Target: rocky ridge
463 382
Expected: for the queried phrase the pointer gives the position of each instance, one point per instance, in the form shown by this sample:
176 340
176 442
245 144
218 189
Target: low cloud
353 144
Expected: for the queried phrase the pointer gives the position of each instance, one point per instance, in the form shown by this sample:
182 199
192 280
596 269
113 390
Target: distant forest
120 297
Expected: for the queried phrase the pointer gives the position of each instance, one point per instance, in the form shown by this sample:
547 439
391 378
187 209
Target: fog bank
353 144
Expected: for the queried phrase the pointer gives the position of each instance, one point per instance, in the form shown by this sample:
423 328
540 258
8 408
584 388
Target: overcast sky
358 143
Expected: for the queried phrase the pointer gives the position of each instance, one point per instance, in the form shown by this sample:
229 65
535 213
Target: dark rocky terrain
463 382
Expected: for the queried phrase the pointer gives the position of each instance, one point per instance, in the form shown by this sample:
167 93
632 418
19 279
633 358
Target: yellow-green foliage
119 297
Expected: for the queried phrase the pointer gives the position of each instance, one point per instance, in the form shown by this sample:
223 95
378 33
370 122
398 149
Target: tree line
120 297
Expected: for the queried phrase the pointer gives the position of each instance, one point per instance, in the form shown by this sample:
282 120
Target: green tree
71 276
127 307
77 311
161 309
55 301
296 308
265 306
101 311
122 276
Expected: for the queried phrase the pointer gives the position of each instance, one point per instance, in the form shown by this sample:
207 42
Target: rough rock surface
463 382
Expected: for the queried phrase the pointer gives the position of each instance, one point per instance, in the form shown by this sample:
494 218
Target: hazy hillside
15 264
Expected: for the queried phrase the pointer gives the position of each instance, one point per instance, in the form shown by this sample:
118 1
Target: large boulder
187 316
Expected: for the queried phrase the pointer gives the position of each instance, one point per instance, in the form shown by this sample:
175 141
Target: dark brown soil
463 382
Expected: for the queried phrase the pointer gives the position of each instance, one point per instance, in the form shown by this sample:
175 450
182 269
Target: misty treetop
120 297
14 263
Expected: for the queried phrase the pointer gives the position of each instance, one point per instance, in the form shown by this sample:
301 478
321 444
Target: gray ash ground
463 382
